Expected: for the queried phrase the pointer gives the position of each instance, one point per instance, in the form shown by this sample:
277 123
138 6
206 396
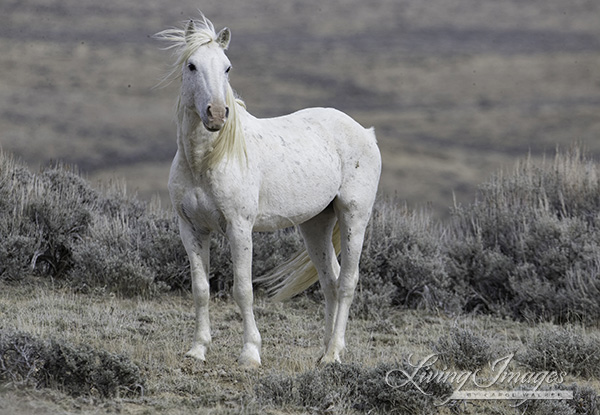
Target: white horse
235 174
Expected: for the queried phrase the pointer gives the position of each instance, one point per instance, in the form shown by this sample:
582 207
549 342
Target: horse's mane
230 140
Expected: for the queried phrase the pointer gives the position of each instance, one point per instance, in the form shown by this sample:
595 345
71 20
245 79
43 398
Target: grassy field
455 88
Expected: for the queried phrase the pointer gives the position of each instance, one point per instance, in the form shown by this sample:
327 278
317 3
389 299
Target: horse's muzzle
216 116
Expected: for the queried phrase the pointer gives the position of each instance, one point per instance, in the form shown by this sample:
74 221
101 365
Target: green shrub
75 370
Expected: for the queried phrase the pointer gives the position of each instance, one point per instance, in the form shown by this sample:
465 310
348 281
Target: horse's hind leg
317 238
353 223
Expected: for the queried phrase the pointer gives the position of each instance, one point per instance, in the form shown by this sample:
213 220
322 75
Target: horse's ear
224 37
190 29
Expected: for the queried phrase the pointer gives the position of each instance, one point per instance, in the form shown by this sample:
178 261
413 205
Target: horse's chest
199 209
216 202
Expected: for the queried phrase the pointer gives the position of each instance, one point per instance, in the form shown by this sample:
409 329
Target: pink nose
216 117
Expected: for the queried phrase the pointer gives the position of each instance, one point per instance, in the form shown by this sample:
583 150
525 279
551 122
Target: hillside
455 89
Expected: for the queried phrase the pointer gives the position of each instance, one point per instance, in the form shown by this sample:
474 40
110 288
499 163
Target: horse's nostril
226 112
208 111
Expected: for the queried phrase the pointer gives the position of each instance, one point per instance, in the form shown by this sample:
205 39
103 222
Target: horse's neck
193 139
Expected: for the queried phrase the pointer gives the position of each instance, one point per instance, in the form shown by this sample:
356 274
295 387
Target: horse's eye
228 69
191 67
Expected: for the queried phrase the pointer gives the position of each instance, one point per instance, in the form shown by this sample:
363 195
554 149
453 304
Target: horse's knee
200 289
242 294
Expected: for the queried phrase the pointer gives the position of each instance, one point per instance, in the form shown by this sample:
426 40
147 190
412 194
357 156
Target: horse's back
352 140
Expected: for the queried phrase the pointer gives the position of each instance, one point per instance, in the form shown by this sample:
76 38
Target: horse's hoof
248 364
329 358
250 358
198 353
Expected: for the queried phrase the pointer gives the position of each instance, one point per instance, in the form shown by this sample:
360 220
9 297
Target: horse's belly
273 219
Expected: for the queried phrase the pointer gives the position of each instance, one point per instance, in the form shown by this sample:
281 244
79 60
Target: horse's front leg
197 246
240 241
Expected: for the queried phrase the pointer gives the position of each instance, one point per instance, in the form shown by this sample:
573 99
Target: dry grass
154 334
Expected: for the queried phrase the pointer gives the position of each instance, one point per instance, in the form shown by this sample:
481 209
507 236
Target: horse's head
205 75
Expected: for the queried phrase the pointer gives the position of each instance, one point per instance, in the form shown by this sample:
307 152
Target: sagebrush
567 349
339 388
75 370
528 247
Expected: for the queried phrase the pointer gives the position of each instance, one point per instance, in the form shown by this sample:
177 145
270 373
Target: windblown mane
230 140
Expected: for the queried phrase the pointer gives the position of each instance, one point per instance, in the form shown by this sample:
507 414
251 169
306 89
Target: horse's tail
296 274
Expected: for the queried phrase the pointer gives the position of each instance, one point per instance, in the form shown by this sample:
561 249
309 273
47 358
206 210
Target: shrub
76 370
54 225
528 247
463 349
403 263
340 387
563 350
42 217
585 402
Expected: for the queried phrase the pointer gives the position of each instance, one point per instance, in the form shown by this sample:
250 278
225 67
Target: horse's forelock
185 45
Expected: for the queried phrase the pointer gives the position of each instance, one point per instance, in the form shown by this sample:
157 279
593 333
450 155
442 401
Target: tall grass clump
529 247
